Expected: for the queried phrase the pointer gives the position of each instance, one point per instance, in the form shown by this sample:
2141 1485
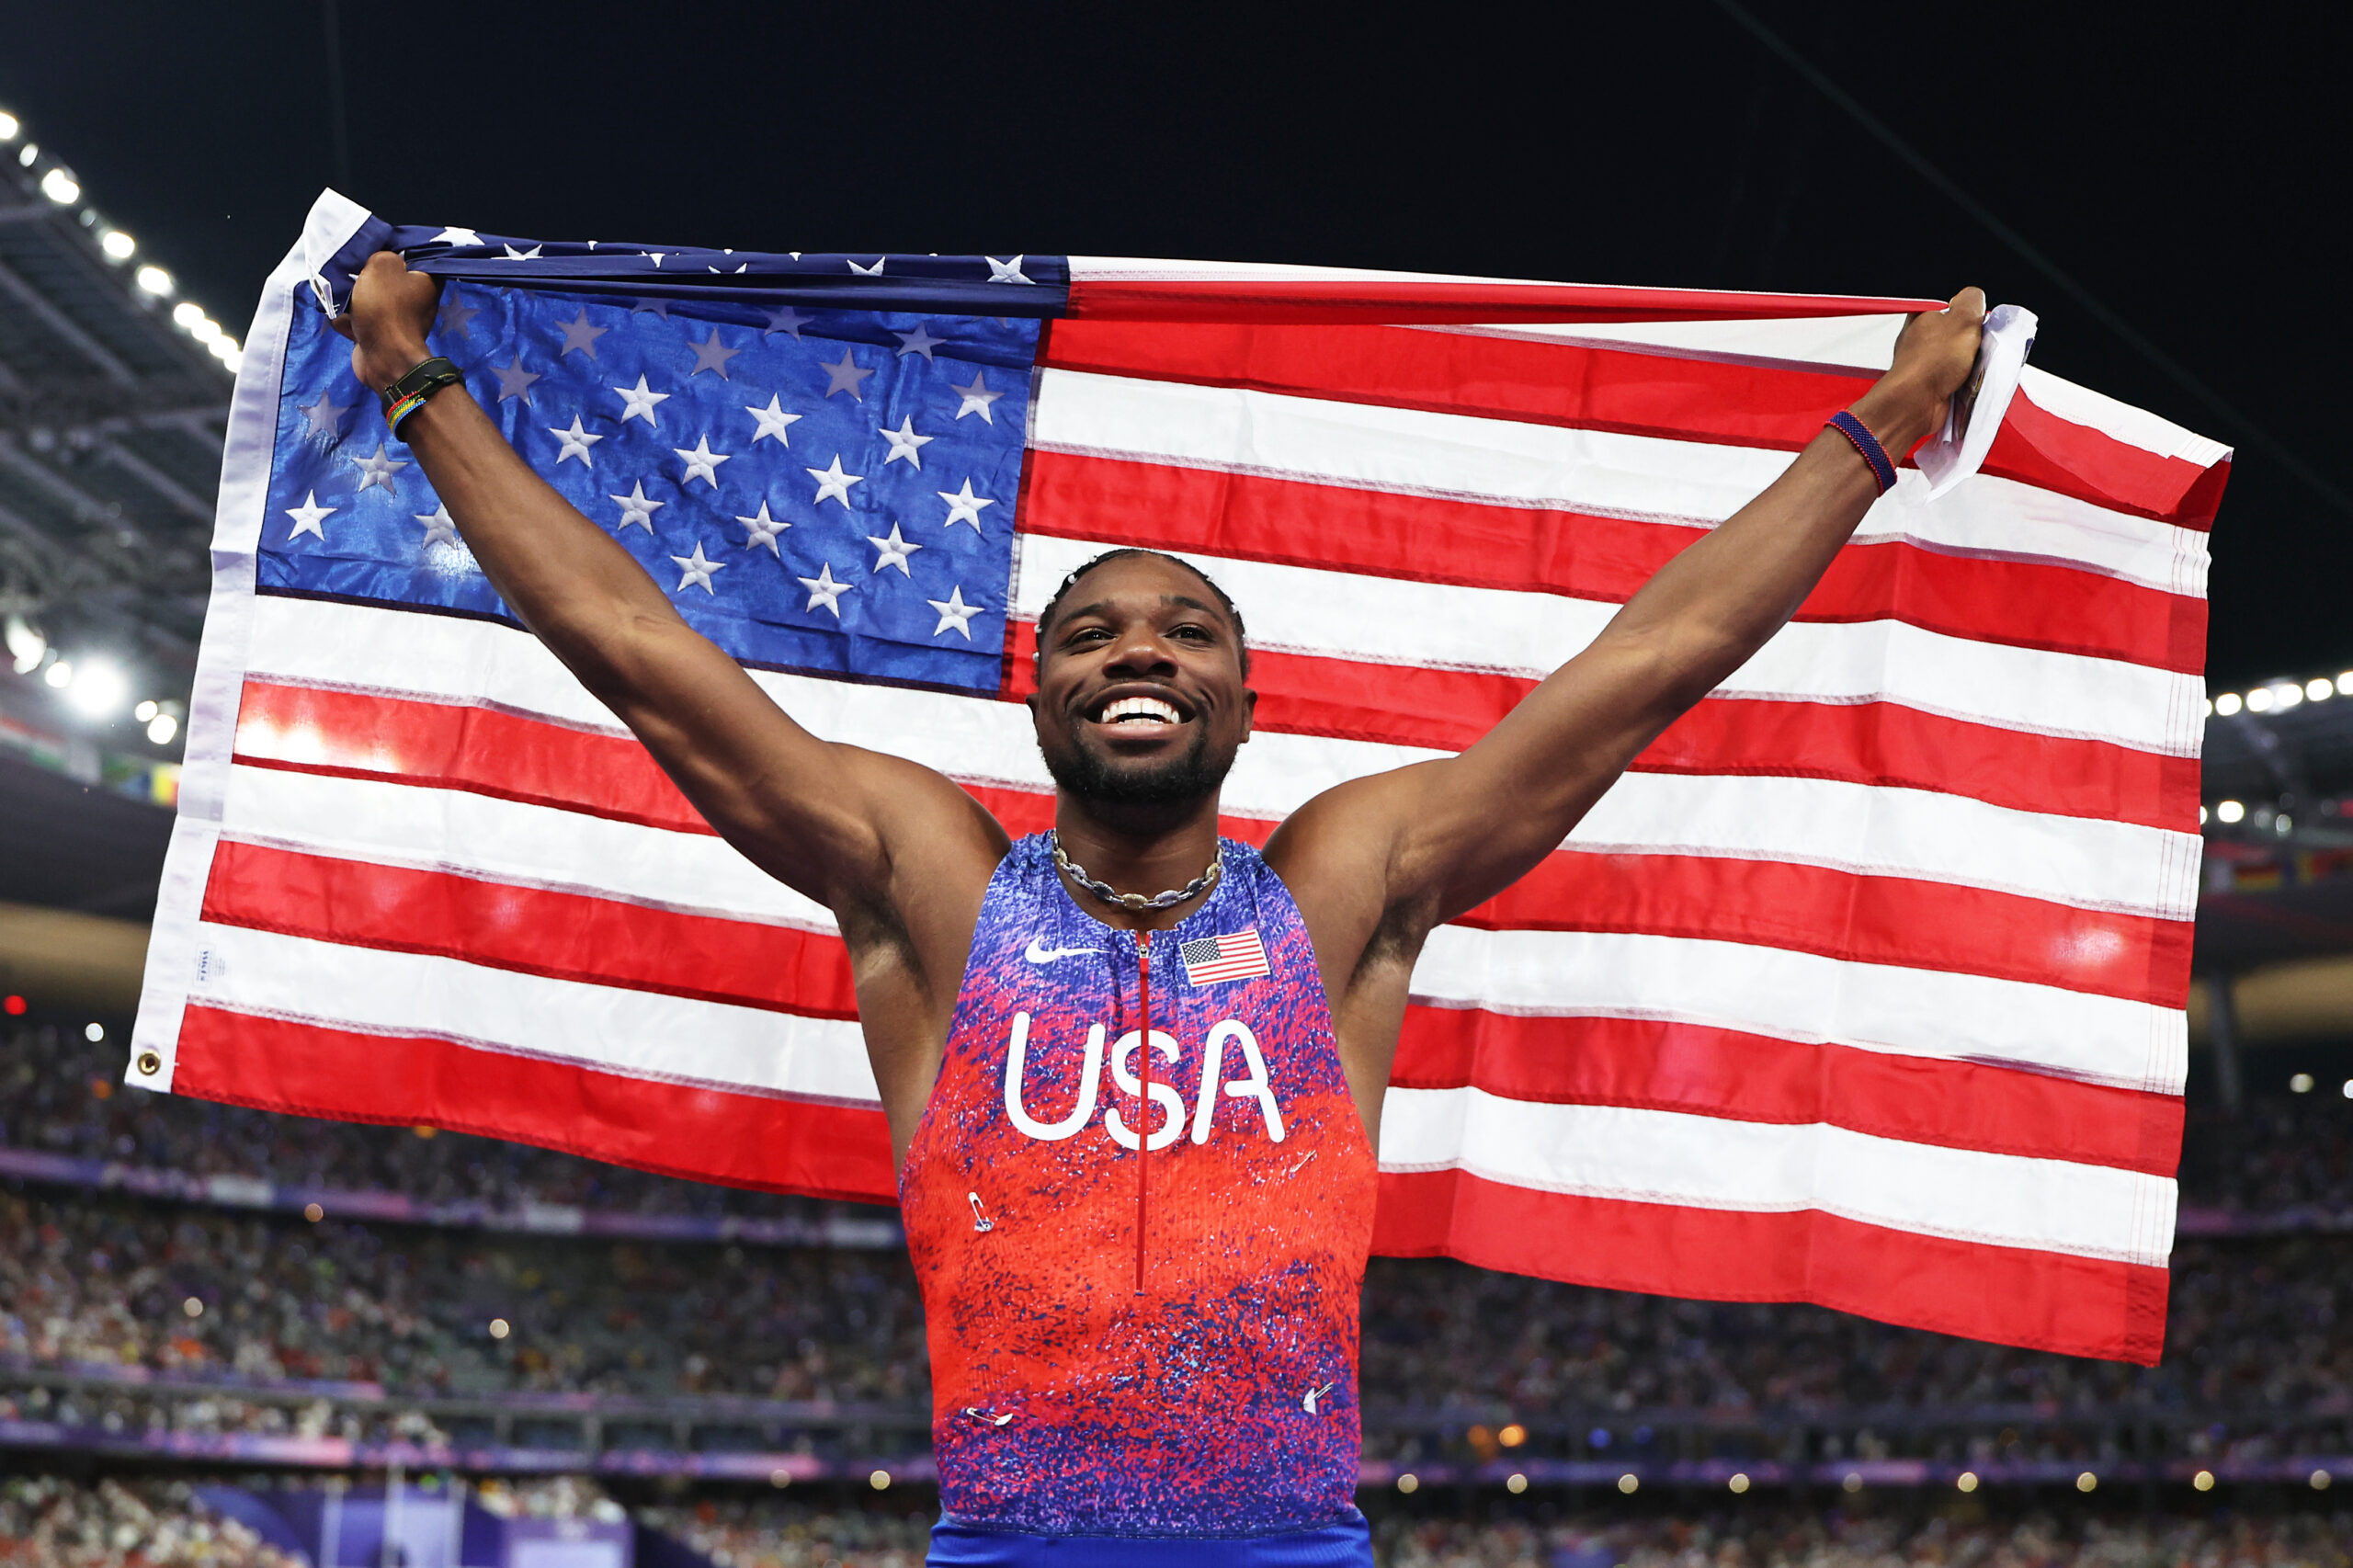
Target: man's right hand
392 309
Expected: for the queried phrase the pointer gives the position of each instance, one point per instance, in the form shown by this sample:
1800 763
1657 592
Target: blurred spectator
46 1521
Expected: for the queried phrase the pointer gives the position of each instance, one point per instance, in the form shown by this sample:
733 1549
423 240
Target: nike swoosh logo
1037 954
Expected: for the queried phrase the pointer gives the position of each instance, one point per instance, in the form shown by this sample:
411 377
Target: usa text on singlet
1221 1398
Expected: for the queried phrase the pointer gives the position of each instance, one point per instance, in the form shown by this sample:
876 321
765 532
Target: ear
1249 708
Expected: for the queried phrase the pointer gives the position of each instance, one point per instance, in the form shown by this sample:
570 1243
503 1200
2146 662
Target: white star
637 402
786 320
658 307
773 421
873 271
699 571
712 354
702 462
954 611
514 380
308 516
377 470
844 376
576 443
905 443
579 334
831 481
977 398
637 508
1006 271
657 255
439 527
894 550
963 506
823 590
514 255
919 341
455 314
762 529
326 415
455 236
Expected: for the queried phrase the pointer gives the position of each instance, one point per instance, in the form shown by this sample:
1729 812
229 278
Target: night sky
2190 171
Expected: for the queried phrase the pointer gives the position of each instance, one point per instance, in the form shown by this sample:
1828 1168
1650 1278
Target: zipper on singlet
1143 1107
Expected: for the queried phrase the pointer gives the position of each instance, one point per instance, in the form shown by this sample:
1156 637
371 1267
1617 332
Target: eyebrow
1101 606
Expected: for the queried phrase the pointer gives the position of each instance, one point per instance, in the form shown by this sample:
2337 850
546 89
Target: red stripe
1476 544
1879 744
1672 397
769 1142
1345 299
1893 920
564 936
1647 1064
2042 1301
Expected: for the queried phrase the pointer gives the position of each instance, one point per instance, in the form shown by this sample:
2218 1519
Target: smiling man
1133 1072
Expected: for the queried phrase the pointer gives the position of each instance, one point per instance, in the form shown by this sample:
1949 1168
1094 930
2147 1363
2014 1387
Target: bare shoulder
1337 855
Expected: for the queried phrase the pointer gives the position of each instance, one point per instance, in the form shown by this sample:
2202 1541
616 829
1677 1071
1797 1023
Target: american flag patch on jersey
1209 960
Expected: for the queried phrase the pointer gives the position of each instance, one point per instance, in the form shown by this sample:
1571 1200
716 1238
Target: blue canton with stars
822 490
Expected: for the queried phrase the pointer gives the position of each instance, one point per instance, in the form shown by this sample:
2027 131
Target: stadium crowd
47 1521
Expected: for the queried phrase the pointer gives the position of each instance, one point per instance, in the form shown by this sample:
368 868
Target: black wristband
407 394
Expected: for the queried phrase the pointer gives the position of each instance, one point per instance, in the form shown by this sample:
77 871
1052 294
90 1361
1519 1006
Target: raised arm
823 818
1401 852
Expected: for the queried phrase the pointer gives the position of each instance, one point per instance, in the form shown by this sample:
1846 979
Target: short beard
1181 781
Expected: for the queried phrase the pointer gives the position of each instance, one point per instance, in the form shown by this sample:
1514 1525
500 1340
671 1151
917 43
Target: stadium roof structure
114 397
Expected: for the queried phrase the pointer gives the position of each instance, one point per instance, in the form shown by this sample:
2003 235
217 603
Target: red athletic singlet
1221 1400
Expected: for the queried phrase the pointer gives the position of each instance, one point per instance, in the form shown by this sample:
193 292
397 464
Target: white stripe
1762 990
1910 833
2121 421
1654 1157
1806 997
1857 344
1461 457
639 1033
489 839
1393 620
1144 269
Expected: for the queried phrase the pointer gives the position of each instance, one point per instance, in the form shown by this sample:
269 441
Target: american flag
1238 955
1864 987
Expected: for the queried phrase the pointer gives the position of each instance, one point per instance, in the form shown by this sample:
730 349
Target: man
1143 1293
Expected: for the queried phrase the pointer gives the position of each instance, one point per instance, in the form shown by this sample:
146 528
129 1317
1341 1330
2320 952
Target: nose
1140 650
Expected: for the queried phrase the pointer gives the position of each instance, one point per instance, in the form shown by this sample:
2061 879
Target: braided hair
1046 616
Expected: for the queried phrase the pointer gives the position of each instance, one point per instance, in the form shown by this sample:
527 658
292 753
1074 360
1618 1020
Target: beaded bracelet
1857 432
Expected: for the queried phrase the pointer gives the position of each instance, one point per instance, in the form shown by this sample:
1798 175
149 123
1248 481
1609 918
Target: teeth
1139 708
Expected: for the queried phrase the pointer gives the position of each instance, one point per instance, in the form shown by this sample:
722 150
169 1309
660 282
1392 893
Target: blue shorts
1348 1544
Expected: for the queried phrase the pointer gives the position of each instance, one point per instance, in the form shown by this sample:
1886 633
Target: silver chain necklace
1167 900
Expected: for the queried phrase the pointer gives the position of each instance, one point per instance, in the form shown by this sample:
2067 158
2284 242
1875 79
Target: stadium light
2203 1481
59 187
94 1033
118 246
204 329
879 1481
31 151
2229 811
2260 700
2286 695
1739 1483
2087 1482
499 1329
2321 1478
193 1307
1409 1484
2348 1088
99 689
8 127
779 1477
2301 1083
1629 1483
26 647
1967 1481
1516 1484
186 313
2229 703
60 674
145 710
2345 684
162 728
2320 688
1511 1436
155 281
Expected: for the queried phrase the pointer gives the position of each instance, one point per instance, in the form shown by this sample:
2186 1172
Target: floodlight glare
8 127
32 150
99 689
2229 811
2320 688
25 646
187 313
145 710
162 728
155 281
2228 704
2286 695
60 674
2260 700
204 329
118 244
59 187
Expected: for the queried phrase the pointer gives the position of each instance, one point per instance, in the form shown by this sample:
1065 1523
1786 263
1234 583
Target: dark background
2188 167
